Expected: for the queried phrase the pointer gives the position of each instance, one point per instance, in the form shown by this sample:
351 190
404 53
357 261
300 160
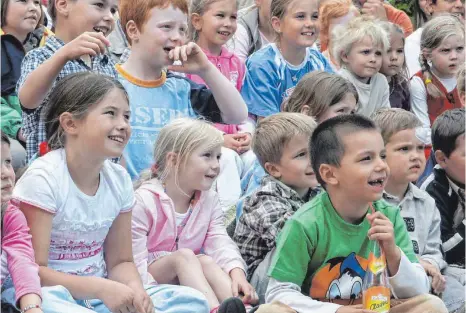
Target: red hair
329 10
138 10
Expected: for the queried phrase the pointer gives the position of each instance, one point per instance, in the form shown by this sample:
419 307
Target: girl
254 30
420 13
78 206
331 14
178 231
273 72
323 95
434 88
213 23
22 288
394 68
359 47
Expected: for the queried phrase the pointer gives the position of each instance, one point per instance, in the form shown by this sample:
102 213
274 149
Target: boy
322 251
157 31
405 157
79 45
281 146
446 186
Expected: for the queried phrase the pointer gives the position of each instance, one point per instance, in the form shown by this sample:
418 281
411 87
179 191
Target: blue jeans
166 298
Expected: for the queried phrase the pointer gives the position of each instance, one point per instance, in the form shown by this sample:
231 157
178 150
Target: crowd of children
235 157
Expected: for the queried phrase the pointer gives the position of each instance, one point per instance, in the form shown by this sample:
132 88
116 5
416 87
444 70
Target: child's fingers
234 289
381 236
183 53
189 48
94 38
380 229
174 54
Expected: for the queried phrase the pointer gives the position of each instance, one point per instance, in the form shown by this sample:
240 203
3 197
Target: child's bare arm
38 82
229 100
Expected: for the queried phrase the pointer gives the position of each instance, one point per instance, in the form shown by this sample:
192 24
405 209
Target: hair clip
44 148
428 81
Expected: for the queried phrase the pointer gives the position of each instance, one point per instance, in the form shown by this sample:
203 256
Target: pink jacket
232 68
154 230
17 252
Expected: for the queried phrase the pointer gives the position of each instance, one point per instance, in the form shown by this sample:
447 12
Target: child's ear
344 57
441 158
276 24
429 7
273 170
427 54
328 175
62 7
132 31
196 20
68 123
305 109
171 159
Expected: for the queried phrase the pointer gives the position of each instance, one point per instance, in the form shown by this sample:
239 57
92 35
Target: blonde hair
319 90
343 37
199 7
460 80
329 10
434 33
274 132
393 120
181 136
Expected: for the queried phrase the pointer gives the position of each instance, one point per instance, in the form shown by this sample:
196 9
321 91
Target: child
446 186
23 288
254 29
433 89
78 45
331 14
394 68
156 96
405 157
358 48
348 158
213 23
273 72
318 94
78 206
178 231
281 145
323 95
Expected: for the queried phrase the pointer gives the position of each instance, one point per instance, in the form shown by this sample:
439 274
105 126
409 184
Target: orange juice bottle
375 287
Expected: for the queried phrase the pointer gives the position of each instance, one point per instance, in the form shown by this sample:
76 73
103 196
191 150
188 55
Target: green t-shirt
327 256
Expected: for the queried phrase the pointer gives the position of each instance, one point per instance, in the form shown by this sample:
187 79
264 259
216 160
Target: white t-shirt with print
80 222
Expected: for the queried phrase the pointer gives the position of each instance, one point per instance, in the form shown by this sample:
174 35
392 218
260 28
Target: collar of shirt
286 191
411 193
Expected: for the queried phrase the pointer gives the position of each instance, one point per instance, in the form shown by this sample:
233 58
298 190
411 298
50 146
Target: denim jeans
166 298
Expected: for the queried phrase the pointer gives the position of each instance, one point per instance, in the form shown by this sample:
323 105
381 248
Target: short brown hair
275 131
393 120
138 10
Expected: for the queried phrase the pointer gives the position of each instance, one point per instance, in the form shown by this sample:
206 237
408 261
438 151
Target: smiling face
446 6
405 157
394 59
165 29
22 17
216 25
88 16
364 59
105 130
448 56
7 173
299 27
363 170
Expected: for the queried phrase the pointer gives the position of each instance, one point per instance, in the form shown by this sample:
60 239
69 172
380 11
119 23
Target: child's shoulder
389 210
314 211
270 191
268 55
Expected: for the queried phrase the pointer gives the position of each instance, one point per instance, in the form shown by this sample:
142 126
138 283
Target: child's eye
110 113
207 155
315 16
99 4
405 148
127 116
234 17
301 154
221 15
166 26
445 50
421 147
383 156
113 11
366 52
378 53
8 161
459 49
300 16
219 157
400 51
37 2
367 158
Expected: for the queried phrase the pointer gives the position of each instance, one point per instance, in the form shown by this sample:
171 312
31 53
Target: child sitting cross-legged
405 157
322 251
446 185
281 143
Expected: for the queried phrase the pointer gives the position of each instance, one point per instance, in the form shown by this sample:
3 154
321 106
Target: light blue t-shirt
270 79
153 107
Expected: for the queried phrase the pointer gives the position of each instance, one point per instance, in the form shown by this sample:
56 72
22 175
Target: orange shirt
399 18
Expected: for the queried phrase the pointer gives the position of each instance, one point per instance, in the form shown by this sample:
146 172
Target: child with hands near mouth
178 230
405 157
158 44
348 158
88 266
79 45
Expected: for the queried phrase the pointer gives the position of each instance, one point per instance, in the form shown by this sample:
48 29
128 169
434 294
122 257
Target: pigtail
432 89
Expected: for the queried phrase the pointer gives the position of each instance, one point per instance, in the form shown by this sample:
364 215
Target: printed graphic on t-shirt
409 221
415 246
234 77
340 278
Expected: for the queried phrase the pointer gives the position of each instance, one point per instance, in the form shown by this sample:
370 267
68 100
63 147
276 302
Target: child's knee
206 261
184 254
